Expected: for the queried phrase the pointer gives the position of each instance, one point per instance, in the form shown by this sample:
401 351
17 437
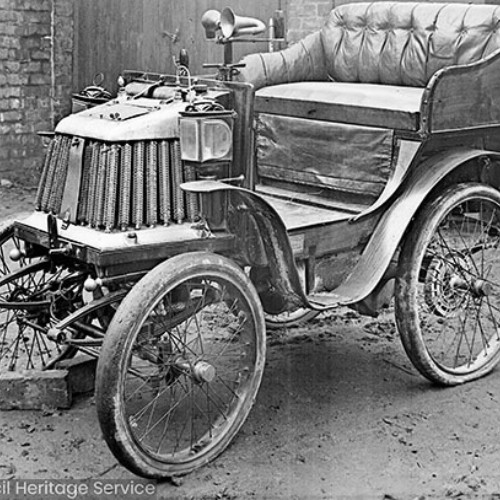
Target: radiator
122 185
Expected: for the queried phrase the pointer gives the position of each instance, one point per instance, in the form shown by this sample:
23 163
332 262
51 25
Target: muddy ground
340 413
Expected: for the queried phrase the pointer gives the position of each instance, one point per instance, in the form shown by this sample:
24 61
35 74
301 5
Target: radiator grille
126 185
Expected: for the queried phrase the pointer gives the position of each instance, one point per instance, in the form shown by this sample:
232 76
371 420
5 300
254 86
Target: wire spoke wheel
181 365
448 290
33 294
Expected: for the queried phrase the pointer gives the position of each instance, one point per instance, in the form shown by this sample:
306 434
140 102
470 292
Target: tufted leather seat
405 44
384 43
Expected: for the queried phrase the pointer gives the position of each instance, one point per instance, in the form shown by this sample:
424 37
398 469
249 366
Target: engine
118 165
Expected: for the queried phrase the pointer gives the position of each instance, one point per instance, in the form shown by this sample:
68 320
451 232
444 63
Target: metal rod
90 330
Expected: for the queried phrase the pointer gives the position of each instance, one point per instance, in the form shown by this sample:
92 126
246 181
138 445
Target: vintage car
175 221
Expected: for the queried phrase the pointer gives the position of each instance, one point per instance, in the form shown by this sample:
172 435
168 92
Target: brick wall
35 80
306 16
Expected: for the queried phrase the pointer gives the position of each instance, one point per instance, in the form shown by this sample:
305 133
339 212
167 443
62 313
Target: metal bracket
174 37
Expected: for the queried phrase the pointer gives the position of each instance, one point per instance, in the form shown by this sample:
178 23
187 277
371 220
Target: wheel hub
201 371
481 288
478 287
204 372
445 288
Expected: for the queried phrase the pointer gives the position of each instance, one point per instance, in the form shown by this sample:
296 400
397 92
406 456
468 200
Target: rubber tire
406 309
117 341
21 269
274 322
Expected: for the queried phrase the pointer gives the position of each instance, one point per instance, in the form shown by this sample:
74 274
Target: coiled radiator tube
122 186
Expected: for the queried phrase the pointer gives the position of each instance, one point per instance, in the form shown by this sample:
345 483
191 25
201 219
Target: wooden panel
462 97
299 215
338 112
113 35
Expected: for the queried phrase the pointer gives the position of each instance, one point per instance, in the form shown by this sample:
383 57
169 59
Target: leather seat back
406 43
394 43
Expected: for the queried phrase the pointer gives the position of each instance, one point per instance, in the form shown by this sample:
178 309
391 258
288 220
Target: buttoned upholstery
383 42
405 44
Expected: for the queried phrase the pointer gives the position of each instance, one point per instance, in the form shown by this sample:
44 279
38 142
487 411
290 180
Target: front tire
181 365
447 297
34 294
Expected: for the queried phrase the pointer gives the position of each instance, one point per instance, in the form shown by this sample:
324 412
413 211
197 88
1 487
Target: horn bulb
211 22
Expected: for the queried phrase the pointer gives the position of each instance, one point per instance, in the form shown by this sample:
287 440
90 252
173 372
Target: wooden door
113 35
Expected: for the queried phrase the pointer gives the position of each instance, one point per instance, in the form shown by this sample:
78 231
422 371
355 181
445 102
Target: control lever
226 71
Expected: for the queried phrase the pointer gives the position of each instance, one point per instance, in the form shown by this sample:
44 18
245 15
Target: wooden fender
271 230
381 247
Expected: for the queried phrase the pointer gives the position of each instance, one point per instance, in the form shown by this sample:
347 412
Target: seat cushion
374 105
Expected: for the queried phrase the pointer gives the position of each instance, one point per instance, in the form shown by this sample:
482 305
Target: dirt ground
340 414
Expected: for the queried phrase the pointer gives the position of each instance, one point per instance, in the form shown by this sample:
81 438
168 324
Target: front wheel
181 365
447 296
34 294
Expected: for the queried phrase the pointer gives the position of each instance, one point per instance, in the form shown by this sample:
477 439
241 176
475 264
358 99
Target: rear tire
447 297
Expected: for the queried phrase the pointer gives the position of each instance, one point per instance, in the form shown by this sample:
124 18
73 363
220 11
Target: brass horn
233 25
211 22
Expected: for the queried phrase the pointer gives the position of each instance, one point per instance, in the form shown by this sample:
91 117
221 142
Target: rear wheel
181 365
448 290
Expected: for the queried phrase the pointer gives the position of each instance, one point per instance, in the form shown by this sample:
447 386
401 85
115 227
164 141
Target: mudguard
272 231
396 217
381 247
